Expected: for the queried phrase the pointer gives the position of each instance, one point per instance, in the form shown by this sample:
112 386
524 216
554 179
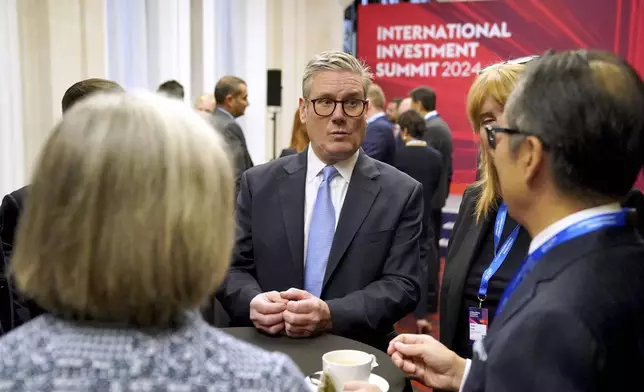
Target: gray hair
334 61
586 109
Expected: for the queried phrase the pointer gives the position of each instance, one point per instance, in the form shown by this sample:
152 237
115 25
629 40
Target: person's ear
531 156
302 109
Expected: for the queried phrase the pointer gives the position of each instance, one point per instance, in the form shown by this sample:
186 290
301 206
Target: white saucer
373 379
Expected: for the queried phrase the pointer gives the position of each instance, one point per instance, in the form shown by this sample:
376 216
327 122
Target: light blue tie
321 234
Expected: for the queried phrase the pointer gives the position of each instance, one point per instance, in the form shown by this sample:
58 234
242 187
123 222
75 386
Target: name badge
478 323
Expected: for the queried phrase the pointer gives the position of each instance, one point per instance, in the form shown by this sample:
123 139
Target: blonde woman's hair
334 61
129 217
496 83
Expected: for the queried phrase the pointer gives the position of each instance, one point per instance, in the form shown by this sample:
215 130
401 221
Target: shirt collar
568 221
226 112
315 165
431 114
375 117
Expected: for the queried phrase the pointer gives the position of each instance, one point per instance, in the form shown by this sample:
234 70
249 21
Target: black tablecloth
307 353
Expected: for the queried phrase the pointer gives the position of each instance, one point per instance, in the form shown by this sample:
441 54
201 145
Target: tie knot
329 172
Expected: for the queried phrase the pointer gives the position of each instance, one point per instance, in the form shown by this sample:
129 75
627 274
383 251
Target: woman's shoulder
249 364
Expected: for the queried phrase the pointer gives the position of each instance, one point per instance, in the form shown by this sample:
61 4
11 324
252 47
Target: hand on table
355 386
305 314
425 359
266 312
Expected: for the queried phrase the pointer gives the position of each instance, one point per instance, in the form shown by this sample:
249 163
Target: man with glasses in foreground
571 319
328 240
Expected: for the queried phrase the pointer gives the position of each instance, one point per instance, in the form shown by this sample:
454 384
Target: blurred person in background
404 106
422 163
379 140
299 137
14 308
205 103
571 318
392 110
231 97
439 136
172 89
127 231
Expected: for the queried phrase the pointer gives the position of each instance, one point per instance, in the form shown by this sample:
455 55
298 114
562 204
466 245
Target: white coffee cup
348 365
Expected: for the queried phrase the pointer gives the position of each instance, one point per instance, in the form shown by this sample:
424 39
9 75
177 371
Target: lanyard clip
481 300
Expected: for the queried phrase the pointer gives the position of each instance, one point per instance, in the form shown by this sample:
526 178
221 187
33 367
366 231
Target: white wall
12 168
50 44
58 43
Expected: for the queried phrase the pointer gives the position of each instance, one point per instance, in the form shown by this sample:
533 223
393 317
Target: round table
307 353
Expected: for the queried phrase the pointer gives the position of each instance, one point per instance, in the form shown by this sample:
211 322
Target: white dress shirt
551 231
339 185
431 114
375 117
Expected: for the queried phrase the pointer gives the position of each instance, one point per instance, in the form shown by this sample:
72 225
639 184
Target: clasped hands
296 313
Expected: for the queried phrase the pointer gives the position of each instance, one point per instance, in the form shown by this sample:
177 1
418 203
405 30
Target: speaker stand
274 112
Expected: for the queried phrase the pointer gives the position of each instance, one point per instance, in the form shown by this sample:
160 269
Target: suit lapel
292 193
361 194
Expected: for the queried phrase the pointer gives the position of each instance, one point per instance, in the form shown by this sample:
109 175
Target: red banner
444 45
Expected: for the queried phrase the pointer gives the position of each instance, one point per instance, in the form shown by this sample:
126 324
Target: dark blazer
439 136
423 164
464 240
372 275
466 250
574 323
234 136
379 140
12 205
635 199
15 310
288 151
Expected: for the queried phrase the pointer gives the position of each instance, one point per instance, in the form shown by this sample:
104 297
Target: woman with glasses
486 246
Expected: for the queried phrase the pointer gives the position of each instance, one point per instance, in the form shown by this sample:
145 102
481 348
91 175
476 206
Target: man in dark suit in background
172 89
14 310
379 141
231 97
571 319
439 136
328 239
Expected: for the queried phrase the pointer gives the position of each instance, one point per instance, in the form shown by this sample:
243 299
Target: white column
240 34
12 167
61 42
149 42
252 65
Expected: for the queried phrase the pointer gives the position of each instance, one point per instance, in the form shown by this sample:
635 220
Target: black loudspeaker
274 87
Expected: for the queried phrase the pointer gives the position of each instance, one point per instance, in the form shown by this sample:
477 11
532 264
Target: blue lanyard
499 254
598 222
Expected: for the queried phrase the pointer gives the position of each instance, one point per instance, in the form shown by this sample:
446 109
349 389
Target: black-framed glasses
324 107
491 131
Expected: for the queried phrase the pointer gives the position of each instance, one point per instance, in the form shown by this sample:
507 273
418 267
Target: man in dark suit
328 239
231 96
439 136
15 310
379 141
172 89
571 319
